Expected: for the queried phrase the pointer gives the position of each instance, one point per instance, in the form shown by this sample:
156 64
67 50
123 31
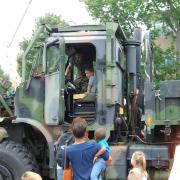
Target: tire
15 159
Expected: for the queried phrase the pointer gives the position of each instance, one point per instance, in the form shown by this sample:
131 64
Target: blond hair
29 175
138 160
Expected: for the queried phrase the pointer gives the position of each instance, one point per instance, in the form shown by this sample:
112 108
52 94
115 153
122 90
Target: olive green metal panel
30 103
163 106
170 101
172 111
54 84
52 98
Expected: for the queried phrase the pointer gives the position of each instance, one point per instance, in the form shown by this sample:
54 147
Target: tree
166 12
165 64
3 76
50 20
125 11
132 12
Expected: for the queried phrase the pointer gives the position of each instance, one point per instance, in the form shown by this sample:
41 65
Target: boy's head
89 72
100 134
29 175
79 127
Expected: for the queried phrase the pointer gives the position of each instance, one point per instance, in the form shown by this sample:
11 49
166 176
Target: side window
37 67
53 55
120 57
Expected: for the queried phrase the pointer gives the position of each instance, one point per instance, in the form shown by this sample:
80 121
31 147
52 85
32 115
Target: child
99 163
92 84
29 175
138 162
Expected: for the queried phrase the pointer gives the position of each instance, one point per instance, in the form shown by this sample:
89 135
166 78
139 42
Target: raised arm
99 153
68 69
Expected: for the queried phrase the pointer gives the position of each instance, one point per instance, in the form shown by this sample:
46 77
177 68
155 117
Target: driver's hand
67 79
71 85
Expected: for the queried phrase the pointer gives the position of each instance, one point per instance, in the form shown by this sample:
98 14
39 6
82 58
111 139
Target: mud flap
118 168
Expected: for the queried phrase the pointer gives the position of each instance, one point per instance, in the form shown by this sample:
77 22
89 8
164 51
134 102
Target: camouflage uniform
81 80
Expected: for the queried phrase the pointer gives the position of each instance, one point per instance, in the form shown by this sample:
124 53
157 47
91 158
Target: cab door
54 63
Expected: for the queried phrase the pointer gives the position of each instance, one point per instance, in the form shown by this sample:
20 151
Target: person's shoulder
133 174
135 170
92 78
103 141
70 147
91 142
85 145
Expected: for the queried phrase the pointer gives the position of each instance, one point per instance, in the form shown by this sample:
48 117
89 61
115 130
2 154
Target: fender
46 134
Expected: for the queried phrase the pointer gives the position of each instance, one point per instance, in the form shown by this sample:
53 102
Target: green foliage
50 20
3 76
165 65
114 10
132 12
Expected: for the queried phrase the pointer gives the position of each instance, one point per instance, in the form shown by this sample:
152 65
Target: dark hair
89 69
79 126
70 50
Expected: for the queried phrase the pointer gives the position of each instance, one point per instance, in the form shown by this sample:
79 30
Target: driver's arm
68 69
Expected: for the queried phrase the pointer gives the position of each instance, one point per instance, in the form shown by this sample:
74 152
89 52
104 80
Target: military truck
135 115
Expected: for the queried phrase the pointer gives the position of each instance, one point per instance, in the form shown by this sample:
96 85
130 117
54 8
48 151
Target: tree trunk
178 48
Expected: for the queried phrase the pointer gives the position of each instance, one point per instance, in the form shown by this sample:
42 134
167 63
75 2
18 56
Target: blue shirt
92 82
103 143
81 158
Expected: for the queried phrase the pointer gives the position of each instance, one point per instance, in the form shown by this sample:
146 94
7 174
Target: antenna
19 24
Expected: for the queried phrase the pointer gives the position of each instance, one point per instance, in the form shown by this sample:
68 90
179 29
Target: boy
99 163
82 152
92 84
29 175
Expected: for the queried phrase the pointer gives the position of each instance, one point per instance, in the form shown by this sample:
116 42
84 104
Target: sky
11 11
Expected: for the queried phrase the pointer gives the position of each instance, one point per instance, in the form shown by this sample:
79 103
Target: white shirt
137 170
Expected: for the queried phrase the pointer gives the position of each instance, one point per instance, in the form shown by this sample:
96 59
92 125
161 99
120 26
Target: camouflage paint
30 103
163 106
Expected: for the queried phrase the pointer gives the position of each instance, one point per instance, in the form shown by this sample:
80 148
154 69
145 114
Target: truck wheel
15 159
